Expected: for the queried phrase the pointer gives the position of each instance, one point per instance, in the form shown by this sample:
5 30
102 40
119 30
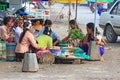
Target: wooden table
71 57
74 60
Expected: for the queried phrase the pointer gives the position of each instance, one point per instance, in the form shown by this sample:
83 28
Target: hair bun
27 24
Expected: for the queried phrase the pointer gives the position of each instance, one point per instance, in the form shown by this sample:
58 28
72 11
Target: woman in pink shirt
26 39
5 34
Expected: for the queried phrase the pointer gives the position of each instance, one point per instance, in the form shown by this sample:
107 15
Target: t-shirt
105 6
44 41
18 32
99 37
4 32
53 34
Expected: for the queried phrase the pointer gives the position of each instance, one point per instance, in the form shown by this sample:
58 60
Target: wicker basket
46 58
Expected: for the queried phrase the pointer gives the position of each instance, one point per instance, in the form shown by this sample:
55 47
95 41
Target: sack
40 52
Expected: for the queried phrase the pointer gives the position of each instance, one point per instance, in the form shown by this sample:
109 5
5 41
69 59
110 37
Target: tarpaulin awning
100 0
70 1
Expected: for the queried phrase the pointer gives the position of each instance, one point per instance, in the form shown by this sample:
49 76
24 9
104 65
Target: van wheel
110 34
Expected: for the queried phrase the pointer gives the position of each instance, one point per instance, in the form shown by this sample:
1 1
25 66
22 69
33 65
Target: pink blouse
4 32
25 43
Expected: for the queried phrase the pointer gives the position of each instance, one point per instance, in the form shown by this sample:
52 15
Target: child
101 42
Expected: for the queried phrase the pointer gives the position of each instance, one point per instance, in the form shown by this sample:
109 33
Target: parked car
110 22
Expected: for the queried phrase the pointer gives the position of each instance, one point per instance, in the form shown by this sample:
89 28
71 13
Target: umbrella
70 1
100 0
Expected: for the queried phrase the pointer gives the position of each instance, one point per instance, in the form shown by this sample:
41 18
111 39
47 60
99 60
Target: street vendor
75 32
5 34
45 41
54 35
38 25
26 39
89 37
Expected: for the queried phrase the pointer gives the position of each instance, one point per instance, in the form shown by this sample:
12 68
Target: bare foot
102 59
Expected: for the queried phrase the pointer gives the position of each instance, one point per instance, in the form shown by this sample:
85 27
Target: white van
110 22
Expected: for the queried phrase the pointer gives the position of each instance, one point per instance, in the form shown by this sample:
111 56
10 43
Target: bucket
30 63
10 47
2 50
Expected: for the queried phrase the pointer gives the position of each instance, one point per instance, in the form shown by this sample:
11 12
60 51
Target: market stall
69 53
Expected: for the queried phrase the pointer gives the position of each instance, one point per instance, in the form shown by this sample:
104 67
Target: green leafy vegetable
76 34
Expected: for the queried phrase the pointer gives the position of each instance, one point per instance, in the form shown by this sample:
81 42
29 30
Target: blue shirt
23 13
53 34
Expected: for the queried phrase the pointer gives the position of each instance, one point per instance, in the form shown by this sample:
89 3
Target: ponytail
22 35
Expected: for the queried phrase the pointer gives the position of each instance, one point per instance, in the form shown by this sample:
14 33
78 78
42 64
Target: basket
47 58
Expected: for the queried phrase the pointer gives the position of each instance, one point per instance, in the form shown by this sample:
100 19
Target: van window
116 9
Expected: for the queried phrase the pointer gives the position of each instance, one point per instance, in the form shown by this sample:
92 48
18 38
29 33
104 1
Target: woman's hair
7 19
26 24
91 26
41 21
73 22
48 22
97 32
47 31
25 29
33 22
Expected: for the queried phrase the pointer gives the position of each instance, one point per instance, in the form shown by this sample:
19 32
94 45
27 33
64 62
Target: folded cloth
39 53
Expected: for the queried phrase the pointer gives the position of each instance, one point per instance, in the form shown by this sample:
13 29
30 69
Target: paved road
89 70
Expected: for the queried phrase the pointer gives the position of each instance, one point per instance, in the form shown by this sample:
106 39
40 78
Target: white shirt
18 32
99 37
105 6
